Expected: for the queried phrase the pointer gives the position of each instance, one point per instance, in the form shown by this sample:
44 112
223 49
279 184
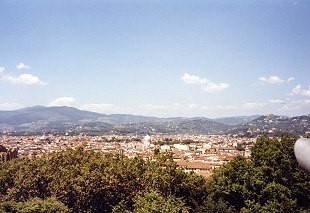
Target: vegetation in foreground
86 181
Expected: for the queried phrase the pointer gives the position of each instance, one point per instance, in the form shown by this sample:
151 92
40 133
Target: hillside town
198 153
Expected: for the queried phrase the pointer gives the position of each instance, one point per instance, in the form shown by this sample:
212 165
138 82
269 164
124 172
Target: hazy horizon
231 116
157 58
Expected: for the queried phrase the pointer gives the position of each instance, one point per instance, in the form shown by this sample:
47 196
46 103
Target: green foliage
270 182
88 181
228 186
164 176
212 206
276 161
36 205
153 202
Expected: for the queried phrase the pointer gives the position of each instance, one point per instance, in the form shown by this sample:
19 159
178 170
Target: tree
153 202
276 161
228 186
35 205
88 181
270 182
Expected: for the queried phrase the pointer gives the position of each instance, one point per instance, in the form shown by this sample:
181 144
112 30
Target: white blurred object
147 141
302 153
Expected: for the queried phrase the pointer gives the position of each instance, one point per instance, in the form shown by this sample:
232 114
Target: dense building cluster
198 153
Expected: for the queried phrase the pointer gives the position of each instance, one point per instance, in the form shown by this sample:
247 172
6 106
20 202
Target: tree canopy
271 181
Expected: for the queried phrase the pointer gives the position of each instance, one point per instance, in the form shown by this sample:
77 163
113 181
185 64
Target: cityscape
150 106
200 153
138 136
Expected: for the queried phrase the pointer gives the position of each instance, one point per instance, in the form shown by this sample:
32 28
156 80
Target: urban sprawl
198 153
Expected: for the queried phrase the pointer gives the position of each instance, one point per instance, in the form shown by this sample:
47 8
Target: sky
205 58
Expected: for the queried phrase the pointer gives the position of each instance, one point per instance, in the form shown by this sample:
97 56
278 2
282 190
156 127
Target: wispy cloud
10 106
101 108
27 79
220 107
145 109
290 79
302 106
274 80
63 101
192 106
22 66
192 79
298 90
276 101
205 84
2 69
253 105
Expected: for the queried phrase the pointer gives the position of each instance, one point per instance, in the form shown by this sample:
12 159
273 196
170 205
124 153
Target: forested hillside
86 181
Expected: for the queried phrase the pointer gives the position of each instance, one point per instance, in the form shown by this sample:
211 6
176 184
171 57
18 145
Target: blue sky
159 58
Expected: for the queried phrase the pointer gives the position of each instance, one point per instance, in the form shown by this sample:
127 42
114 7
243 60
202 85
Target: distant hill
48 114
59 119
237 120
40 119
64 114
175 126
274 125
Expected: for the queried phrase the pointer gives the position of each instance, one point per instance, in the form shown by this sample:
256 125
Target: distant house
204 169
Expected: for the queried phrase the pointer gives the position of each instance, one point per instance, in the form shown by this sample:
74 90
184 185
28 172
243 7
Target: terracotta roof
193 164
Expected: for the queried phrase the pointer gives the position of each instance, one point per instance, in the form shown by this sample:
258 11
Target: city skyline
156 58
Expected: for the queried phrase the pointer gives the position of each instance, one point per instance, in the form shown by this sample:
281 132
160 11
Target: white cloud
162 110
22 66
206 85
299 91
220 109
192 79
254 105
27 79
290 79
157 107
2 69
276 101
194 110
275 80
63 101
297 106
101 108
10 106
174 109
215 111
211 87
177 109
192 106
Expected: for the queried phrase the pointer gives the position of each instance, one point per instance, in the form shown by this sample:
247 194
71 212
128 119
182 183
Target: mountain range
274 125
40 119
